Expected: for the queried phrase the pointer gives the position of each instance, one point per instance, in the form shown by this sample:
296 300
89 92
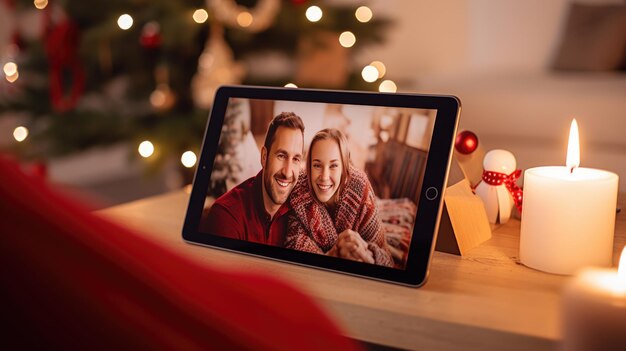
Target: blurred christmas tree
81 74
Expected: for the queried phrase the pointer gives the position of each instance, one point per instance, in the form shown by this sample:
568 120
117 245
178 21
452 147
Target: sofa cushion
594 38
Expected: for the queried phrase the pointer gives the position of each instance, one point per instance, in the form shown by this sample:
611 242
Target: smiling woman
327 160
334 207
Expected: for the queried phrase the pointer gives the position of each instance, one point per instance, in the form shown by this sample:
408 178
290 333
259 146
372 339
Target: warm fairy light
369 73
314 13
200 16
13 78
158 98
347 39
387 86
573 147
20 133
363 14
188 159
10 69
146 148
10 72
380 67
245 19
40 4
290 85
125 21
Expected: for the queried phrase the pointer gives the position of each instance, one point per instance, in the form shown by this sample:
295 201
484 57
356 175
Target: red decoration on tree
150 35
466 142
61 43
298 2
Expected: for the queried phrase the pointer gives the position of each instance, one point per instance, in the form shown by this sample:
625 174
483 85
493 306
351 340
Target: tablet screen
341 180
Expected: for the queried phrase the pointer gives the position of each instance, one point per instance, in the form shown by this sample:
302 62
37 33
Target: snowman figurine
498 189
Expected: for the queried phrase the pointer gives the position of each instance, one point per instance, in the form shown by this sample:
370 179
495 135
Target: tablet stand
464 224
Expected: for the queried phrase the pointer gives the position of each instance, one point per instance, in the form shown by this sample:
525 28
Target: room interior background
522 69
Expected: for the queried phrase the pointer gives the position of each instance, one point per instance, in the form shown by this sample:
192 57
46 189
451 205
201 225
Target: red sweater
72 280
240 214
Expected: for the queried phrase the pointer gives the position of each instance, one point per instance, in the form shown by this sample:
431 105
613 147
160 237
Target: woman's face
326 169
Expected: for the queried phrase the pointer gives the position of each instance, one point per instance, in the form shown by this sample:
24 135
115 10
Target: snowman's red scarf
509 181
312 228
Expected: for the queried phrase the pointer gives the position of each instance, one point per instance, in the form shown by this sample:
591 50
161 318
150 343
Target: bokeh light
146 148
369 73
188 159
347 39
245 19
387 86
314 13
380 67
40 4
20 133
200 15
363 14
125 21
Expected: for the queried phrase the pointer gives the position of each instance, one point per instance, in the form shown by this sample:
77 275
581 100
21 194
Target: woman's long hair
341 140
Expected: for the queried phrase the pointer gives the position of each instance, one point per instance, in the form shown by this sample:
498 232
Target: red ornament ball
466 142
150 35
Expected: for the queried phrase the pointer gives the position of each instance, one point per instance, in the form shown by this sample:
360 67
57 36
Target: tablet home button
431 193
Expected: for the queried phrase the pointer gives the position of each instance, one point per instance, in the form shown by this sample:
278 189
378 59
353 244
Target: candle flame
621 269
573 147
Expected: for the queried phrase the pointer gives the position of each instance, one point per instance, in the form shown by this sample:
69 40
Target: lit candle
594 310
568 218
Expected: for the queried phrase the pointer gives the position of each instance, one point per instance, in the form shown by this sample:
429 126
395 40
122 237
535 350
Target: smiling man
256 209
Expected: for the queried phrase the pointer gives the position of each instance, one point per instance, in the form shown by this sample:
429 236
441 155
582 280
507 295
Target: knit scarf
312 228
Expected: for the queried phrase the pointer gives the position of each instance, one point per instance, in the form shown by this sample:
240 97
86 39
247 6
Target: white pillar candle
594 310
568 217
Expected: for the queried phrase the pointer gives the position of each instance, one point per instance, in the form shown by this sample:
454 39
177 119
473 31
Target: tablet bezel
427 218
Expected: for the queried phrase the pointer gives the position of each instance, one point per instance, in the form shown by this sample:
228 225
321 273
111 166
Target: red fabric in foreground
73 280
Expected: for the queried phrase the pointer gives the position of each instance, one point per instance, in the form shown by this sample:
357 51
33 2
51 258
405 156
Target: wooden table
485 300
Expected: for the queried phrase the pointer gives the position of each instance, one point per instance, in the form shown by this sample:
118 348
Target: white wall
427 36
519 35
448 37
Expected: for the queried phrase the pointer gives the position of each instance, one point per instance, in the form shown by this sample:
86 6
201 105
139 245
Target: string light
40 4
200 16
188 159
10 72
13 78
290 85
125 21
314 13
158 98
10 68
387 86
369 73
380 67
363 14
146 149
245 19
20 133
347 39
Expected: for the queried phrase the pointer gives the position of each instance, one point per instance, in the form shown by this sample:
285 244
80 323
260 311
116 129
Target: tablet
351 182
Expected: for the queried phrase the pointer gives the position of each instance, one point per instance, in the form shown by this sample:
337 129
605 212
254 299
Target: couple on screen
329 209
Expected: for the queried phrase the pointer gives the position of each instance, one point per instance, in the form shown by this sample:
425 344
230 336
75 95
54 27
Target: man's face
281 165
